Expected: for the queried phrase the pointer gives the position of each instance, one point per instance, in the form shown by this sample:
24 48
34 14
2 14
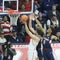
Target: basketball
24 18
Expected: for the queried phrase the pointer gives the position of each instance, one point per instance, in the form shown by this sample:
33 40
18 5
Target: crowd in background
46 11
25 5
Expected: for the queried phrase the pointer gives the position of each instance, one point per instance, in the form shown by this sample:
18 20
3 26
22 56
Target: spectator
22 7
15 38
36 6
53 23
27 5
8 52
47 4
53 11
6 26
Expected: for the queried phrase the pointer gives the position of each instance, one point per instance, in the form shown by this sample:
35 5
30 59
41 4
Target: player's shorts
48 54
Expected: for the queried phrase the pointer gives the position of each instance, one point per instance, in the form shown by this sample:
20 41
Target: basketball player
41 32
47 54
47 49
35 38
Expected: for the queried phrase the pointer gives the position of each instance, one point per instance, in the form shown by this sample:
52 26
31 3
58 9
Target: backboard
17 5
10 4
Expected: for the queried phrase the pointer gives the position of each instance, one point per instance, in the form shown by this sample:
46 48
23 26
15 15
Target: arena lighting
28 12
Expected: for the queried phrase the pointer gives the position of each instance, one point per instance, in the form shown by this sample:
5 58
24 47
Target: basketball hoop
13 17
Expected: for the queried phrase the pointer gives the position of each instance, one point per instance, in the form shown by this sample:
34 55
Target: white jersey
32 53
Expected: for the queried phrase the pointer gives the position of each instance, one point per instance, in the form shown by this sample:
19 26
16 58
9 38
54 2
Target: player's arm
41 28
30 34
30 25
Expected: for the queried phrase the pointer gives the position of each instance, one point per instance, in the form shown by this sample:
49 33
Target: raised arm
30 25
30 34
41 28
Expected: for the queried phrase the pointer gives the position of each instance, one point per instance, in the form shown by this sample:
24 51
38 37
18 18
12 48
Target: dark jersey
38 46
46 42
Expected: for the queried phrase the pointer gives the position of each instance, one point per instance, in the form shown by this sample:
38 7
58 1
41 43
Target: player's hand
23 22
54 37
31 16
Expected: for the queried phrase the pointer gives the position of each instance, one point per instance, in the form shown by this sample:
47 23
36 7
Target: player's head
40 32
49 31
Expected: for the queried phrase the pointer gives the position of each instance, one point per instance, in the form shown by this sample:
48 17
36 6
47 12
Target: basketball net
13 17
